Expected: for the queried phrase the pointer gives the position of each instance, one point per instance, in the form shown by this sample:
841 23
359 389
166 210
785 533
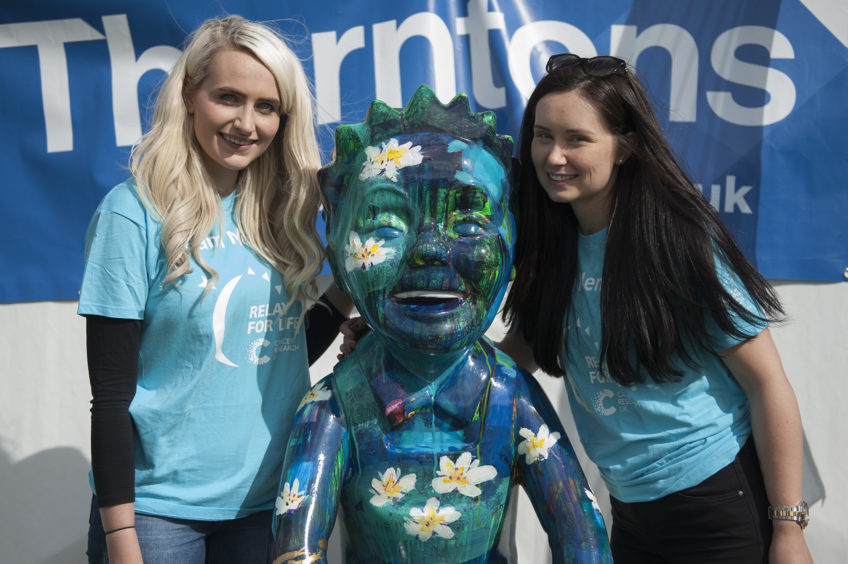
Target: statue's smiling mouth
428 299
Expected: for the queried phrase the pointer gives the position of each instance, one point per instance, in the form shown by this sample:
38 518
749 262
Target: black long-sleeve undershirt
113 347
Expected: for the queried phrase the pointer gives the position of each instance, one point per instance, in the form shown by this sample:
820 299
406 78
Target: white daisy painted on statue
291 499
536 446
390 486
462 475
431 520
364 256
591 495
315 394
389 158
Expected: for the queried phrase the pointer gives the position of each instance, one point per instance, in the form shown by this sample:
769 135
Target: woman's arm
112 349
324 319
776 424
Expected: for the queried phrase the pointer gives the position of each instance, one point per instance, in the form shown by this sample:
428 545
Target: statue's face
423 241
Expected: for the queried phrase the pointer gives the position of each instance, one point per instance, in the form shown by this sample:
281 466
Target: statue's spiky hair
423 113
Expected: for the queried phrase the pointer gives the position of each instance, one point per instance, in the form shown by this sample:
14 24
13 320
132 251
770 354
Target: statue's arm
551 475
311 480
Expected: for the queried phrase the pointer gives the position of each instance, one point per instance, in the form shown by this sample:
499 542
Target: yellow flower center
391 155
391 487
536 442
457 474
365 253
430 520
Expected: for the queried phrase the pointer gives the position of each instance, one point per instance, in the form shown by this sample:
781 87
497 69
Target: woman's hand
352 331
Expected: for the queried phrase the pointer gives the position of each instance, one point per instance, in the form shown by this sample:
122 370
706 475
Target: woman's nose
557 156
244 120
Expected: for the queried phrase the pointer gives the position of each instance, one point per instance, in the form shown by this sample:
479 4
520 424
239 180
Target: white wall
44 450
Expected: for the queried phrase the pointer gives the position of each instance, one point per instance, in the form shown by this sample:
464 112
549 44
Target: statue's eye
388 232
468 229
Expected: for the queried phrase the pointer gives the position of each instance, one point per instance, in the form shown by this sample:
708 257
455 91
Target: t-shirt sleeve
115 279
737 291
112 353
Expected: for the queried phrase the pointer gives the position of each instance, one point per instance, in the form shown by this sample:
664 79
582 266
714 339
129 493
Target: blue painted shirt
423 470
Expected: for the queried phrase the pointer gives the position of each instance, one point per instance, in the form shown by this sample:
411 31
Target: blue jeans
183 541
722 519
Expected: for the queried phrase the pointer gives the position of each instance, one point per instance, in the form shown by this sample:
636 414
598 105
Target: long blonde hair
279 196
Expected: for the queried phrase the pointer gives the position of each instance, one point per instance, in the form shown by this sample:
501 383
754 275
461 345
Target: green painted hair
423 113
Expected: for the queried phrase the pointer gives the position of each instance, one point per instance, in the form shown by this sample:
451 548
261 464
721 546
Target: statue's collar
455 397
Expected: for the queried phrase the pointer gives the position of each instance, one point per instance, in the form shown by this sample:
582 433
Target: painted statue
420 434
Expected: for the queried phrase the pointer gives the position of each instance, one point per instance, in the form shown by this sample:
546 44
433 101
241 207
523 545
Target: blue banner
752 95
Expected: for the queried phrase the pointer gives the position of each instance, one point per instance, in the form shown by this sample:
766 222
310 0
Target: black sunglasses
601 66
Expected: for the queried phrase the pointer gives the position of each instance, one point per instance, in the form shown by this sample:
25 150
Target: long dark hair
660 282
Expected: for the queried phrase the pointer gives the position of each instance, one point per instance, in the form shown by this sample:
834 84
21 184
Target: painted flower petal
470 490
464 459
443 485
443 531
450 514
379 500
407 482
481 474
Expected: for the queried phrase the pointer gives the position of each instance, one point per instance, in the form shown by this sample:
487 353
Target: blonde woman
199 271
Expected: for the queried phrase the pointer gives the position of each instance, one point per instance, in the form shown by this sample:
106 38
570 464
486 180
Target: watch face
804 514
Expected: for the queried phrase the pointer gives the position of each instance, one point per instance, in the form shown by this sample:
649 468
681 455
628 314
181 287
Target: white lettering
715 195
598 377
50 38
328 56
590 283
477 26
290 323
126 72
683 51
780 88
525 39
280 308
733 198
388 41
388 37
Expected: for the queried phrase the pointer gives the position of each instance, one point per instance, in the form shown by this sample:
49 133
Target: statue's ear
513 179
328 179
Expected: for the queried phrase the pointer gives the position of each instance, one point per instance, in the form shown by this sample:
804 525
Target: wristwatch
799 513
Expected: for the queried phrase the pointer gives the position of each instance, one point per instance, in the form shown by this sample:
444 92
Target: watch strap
799 513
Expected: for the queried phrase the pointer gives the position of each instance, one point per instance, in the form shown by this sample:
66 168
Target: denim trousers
184 541
723 519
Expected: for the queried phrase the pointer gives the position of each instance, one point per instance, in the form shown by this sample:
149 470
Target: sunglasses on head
600 66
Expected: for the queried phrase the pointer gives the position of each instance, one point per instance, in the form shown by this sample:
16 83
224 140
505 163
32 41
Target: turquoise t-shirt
648 439
219 376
